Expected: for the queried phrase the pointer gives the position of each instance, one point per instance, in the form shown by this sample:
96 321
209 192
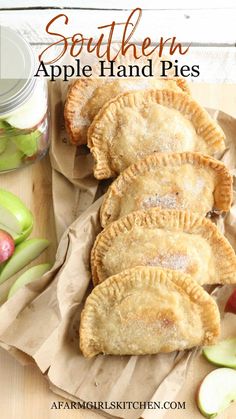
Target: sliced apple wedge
216 392
13 213
24 234
24 253
4 135
29 276
11 157
223 353
27 143
31 112
3 143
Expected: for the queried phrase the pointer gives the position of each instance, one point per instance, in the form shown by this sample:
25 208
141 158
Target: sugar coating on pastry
86 97
188 181
170 239
136 124
147 310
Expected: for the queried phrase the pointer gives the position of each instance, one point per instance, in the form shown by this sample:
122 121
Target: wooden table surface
24 392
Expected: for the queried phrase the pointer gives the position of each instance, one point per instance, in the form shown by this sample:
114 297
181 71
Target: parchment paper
41 321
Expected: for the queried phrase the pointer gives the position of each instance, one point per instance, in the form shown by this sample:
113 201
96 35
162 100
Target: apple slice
24 253
223 353
28 276
5 130
230 306
216 392
3 144
11 157
31 112
13 213
7 246
27 143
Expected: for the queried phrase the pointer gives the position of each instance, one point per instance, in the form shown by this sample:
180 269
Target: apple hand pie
87 96
169 181
136 124
170 239
146 310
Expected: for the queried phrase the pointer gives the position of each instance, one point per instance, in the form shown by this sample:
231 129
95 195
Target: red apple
230 306
7 246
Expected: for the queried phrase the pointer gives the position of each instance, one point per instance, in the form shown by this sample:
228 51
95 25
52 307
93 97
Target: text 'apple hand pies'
86 97
136 124
147 310
170 239
169 181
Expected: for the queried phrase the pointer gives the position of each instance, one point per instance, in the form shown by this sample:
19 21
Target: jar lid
17 65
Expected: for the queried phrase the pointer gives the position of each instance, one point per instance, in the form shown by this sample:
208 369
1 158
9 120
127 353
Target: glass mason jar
24 116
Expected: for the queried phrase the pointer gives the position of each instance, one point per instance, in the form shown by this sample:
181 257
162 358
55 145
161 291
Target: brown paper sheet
41 321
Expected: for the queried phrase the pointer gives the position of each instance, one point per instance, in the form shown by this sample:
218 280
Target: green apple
5 130
24 234
13 213
28 276
11 157
24 253
216 392
3 143
27 143
223 353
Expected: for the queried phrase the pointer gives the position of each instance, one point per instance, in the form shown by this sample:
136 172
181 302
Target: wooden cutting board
24 392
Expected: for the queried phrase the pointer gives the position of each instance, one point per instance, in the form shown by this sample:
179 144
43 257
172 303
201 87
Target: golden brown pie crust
86 97
128 314
123 186
78 95
200 232
111 123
